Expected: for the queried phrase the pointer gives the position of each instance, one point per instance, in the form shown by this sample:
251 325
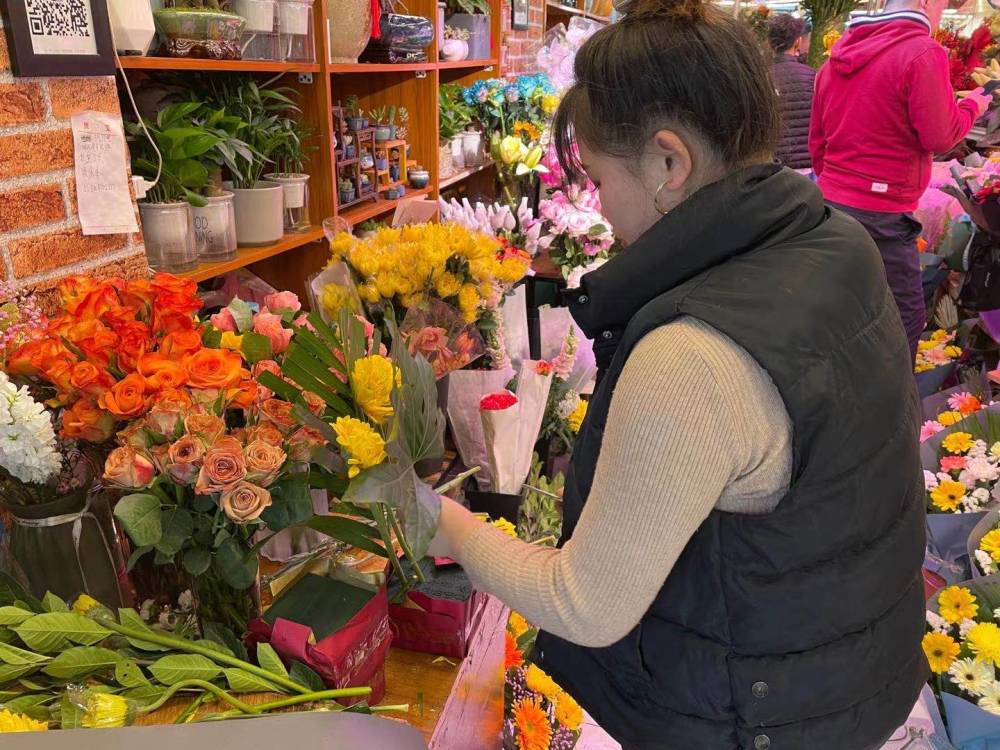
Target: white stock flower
936 622
930 480
986 562
982 470
27 440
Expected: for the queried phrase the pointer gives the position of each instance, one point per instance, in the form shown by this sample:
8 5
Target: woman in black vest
744 522
793 83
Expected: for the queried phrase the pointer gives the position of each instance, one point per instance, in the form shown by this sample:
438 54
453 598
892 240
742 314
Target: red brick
32 153
31 206
21 103
4 57
32 255
72 95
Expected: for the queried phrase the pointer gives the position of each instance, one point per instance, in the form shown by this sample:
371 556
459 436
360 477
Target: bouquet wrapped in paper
438 332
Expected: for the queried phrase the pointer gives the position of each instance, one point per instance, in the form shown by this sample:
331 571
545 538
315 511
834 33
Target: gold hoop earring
656 199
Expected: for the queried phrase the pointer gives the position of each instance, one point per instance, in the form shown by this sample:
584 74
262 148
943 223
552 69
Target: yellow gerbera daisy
11 722
948 495
990 544
984 641
941 651
948 418
957 442
568 711
539 682
957 603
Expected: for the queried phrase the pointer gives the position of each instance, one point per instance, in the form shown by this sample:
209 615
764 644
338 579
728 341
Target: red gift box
436 626
353 656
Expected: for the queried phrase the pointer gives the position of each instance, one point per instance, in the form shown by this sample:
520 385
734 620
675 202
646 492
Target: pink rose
303 322
245 502
223 320
301 443
283 301
127 469
264 462
270 325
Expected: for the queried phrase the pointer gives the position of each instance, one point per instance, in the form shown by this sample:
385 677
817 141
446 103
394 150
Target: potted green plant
369 228
381 117
474 17
355 115
403 129
199 28
346 191
167 221
456 44
454 116
290 157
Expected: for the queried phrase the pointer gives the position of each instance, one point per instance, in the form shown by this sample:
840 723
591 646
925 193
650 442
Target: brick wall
523 45
40 238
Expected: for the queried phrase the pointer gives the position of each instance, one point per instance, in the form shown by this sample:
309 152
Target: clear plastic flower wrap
438 332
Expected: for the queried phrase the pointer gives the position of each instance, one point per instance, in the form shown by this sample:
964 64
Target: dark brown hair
670 63
783 29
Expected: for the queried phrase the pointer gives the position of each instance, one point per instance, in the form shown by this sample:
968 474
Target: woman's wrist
455 527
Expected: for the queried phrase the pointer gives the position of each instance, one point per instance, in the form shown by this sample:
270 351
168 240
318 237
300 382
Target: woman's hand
454 527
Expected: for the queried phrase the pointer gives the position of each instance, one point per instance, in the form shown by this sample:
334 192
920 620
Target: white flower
930 480
185 601
936 622
990 701
27 440
973 676
965 626
982 495
986 562
981 470
568 405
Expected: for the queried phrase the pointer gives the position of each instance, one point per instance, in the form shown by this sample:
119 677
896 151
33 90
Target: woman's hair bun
677 10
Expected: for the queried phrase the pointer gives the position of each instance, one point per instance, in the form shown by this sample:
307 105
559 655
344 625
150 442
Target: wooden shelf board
135 62
379 67
371 209
247 255
463 175
466 64
554 7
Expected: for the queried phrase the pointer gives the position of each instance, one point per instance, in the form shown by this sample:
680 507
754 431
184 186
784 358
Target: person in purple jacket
793 83
884 105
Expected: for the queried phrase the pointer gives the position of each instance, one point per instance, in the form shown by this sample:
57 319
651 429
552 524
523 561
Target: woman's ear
671 161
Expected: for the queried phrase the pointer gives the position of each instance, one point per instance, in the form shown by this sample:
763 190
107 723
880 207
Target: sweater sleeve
817 136
672 444
940 121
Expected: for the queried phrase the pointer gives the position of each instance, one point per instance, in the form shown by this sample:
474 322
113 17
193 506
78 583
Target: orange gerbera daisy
512 656
531 724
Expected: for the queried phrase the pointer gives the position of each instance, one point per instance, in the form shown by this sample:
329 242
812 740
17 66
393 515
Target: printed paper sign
102 191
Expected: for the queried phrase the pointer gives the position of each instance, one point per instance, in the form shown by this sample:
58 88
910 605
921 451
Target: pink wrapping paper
436 626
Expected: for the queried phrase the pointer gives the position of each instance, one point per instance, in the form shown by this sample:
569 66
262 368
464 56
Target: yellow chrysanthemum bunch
576 417
372 380
365 447
408 264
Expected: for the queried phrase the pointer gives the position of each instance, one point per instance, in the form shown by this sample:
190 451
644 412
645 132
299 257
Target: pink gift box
436 626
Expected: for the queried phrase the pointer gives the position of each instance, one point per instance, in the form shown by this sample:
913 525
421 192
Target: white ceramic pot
454 50
294 17
259 219
168 233
215 228
261 15
457 152
472 145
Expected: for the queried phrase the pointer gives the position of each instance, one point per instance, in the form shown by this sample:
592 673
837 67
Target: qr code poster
61 27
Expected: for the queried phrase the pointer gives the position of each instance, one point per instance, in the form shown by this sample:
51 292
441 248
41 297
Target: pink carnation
953 463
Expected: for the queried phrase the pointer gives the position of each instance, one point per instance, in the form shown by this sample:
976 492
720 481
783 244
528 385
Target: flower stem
180 644
192 709
206 686
407 550
403 708
378 511
325 695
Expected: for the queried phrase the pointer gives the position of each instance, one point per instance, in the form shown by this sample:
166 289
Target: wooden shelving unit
463 175
413 85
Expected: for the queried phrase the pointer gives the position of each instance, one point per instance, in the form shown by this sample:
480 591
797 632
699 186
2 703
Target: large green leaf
54 631
197 560
12 592
129 674
141 516
179 667
306 677
223 635
81 661
234 565
242 314
268 659
52 603
256 348
33 706
245 682
291 503
18 656
11 672
130 619
178 526
144 694
11 615
348 530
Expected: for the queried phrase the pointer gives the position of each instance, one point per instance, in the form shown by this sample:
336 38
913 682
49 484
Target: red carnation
498 401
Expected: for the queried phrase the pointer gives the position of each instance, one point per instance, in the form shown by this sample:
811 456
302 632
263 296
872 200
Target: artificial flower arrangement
87 667
962 646
538 714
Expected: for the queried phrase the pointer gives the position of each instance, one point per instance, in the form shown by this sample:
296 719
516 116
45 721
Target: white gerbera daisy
973 676
990 699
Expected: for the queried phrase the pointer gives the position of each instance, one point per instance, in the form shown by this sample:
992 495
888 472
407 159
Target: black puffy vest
799 629
794 84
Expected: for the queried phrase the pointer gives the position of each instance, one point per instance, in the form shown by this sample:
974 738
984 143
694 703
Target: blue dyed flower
512 94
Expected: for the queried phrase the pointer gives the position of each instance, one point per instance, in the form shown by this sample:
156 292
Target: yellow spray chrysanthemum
11 722
517 624
941 651
106 711
447 285
335 298
948 418
550 102
948 495
84 603
505 526
957 603
575 419
364 446
957 442
539 682
568 711
983 640
990 544
372 381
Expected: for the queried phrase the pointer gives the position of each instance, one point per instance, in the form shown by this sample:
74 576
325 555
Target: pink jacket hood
863 44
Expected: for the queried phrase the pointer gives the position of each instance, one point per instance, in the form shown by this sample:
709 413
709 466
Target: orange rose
59 372
90 380
264 462
300 445
245 502
179 344
214 368
205 399
119 317
223 467
127 469
98 302
135 435
175 398
278 413
314 403
74 289
178 302
161 372
243 396
206 427
84 421
267 433
95 340
126 400
135 339
165 283
33 357
184 459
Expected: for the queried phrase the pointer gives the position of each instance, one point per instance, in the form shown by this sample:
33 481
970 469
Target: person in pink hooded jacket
883 107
